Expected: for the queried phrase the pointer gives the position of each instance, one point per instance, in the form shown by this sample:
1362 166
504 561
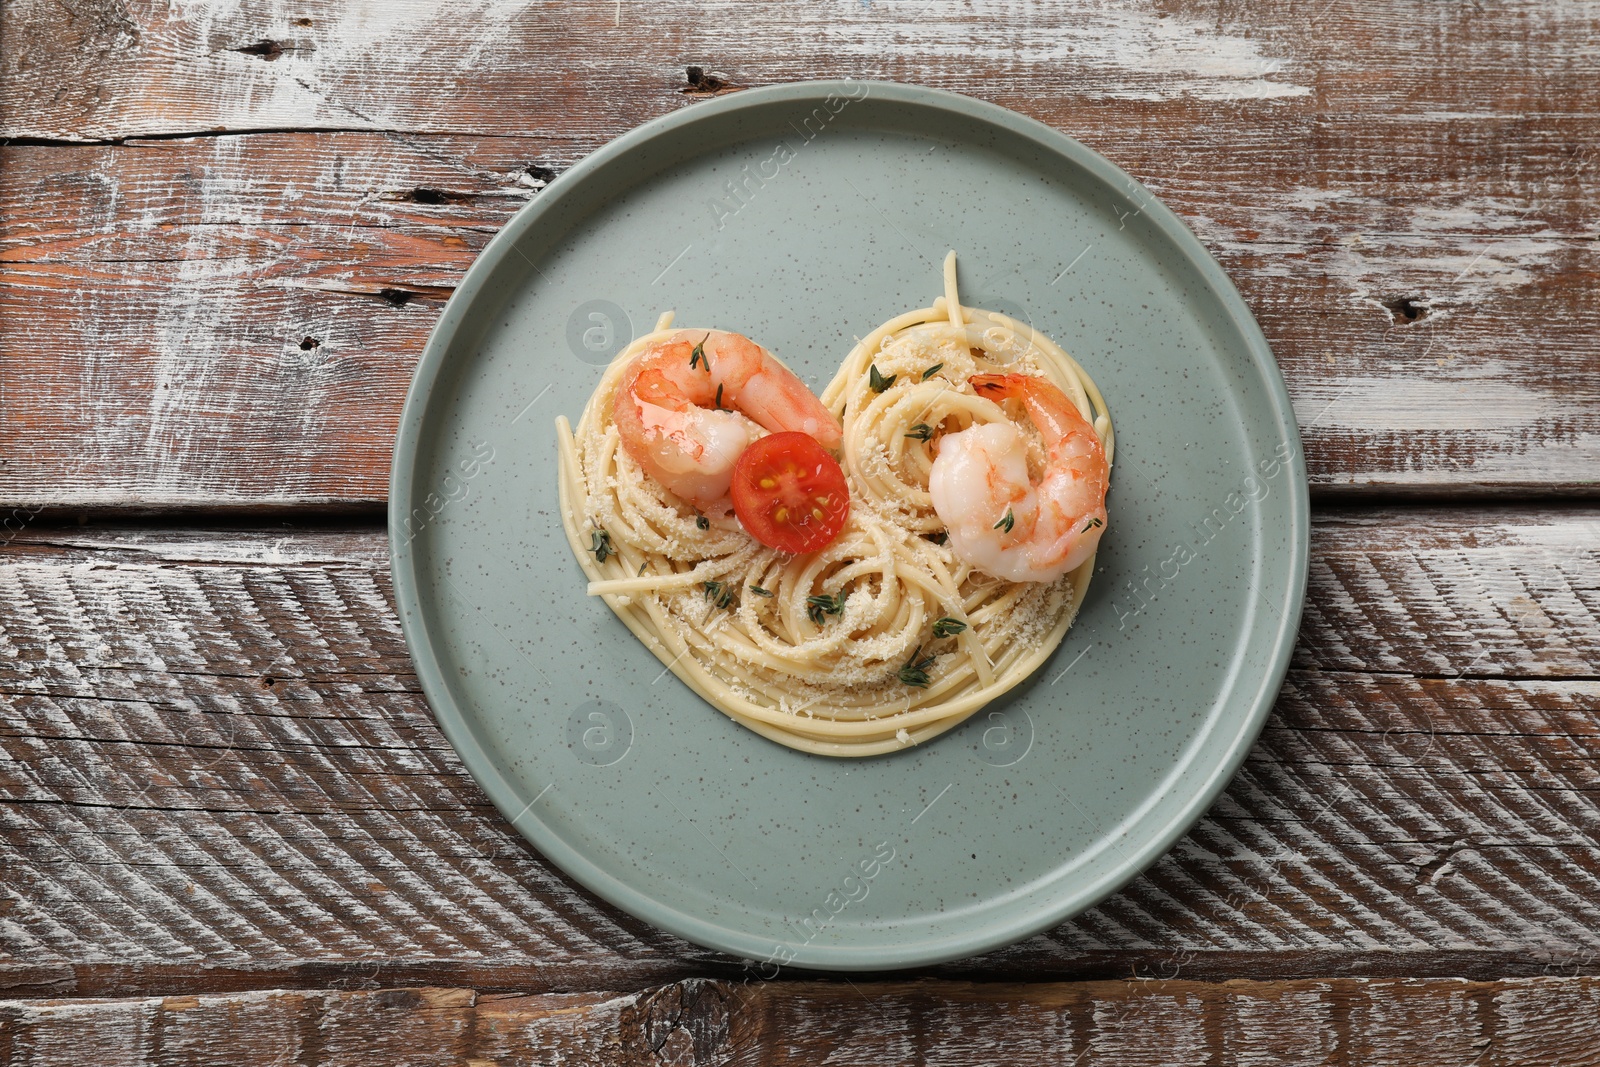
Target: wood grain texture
1405 198
217 772
1398 1023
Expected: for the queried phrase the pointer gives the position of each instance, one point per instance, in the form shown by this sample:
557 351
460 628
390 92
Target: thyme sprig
698 355
915 672
600 545
921 431
818 606
1006 523
719 594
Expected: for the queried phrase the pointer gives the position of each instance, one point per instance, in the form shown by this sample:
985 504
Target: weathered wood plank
216 771
1415 1023
1404 198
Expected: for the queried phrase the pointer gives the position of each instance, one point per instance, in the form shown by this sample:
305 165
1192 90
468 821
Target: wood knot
688 1020
423 195
1406 310
266 49
703 81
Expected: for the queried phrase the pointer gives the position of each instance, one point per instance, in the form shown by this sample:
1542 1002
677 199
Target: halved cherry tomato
790 493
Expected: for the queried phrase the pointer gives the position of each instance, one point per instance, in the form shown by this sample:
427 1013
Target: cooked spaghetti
885 637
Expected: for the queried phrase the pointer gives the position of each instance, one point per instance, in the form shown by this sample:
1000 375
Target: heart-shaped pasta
890 635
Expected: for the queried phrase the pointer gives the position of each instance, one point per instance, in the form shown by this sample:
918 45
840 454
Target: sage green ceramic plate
804 215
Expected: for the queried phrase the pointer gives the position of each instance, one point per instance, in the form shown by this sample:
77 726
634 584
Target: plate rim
966 942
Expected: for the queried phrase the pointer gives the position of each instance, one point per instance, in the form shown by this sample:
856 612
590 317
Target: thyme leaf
915 672
758 591
1006 523
818 606
600 545
702 522
878 382
921 431
698 355
948 626
719 594
931 371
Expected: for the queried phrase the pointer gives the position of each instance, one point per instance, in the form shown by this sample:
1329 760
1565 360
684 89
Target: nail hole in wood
302 22
308 343
1405 310
267 50
702 81
397 297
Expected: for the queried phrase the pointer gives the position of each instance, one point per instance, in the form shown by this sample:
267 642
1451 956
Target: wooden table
229 828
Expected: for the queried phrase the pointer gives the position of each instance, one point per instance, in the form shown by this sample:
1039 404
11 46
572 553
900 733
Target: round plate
804 215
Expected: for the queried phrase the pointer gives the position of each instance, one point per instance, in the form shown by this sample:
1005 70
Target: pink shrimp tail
1051 410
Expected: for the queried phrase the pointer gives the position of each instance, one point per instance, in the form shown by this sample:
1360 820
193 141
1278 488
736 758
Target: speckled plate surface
804 215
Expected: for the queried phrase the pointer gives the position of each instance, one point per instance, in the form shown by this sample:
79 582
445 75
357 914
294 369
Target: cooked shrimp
691 403
1000 521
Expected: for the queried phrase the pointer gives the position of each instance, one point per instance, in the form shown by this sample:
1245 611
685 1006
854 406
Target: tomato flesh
790 494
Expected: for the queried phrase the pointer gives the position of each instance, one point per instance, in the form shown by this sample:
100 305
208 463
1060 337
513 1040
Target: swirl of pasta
883 639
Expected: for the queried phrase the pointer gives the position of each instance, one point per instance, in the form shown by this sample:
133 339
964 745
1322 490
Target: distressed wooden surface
228 315
217 772
698 1023
227 818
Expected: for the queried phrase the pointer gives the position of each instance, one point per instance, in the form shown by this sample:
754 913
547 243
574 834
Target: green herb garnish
1006 523
878 382
698 355
720 595
939 538
718 401
931 371
947 626
1091 524
818 606
600 545
758 591
915 672
921 431
702 522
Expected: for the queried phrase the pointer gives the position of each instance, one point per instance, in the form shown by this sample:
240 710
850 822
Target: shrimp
691 403
1000 521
